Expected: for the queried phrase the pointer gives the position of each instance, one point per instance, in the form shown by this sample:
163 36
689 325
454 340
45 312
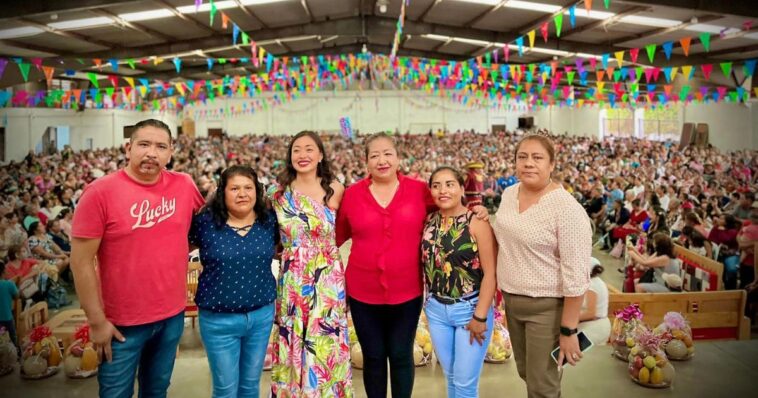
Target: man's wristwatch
568 332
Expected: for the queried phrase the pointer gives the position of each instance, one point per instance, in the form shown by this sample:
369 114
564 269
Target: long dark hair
217 205
323 170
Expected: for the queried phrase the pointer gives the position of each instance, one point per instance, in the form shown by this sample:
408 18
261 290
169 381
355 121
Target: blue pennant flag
667 48
572 16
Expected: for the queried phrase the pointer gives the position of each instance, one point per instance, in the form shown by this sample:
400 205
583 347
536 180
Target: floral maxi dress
311 353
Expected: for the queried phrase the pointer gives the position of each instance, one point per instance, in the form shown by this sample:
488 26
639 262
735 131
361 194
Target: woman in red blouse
634 226
384 216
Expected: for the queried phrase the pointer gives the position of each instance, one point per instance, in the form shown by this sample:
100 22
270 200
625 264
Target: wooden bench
64 325
693 264
32 317
712 315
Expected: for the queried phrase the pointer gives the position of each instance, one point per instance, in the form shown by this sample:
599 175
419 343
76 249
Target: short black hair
151 123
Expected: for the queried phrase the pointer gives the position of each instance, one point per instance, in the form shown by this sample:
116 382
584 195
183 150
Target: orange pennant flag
667 89
600 73
97 62
531 35
224 21
609 72
588 5
48 70
685 42
554 66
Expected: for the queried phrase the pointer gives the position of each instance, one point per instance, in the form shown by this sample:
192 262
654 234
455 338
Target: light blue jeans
236 348
461 360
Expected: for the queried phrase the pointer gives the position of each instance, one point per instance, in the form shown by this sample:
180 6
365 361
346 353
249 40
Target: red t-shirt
143 254
384 265
749 232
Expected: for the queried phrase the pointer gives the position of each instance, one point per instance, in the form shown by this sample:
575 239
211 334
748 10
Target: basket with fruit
499 349
676 334
626 325
422 349
81 357
8 353
41 357
269 360
648 364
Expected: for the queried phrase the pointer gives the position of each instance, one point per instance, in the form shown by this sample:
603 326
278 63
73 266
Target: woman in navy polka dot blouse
237 237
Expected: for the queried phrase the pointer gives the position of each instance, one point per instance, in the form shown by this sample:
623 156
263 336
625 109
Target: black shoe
621 270
605 248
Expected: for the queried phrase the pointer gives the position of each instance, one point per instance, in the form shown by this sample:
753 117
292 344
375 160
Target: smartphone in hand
584 345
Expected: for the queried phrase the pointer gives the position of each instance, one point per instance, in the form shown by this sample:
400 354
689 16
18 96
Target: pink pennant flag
633 53
707 69
507 52
543 31
37 62
593 62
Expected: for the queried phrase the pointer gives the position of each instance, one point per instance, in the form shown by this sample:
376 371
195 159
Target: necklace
384 203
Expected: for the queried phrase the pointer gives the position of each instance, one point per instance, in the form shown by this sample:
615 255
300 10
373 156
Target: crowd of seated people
702 198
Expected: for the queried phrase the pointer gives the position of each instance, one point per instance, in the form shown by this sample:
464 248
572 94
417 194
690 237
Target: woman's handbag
648 276
28 288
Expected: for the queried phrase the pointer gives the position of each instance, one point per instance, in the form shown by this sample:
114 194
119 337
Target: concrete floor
719 369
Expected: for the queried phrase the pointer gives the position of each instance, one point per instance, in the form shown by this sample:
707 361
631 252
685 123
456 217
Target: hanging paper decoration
198 3
3 64
605 58
588 5
619 58
398 30
667 48
235 33
707 69
572 16
749 68
213 12
346 127
687 71
558 20
607 3
543 31
48 71
705 39
93 79
531 35
726 68
24 68
650 48
520 44
685 42
224 21
178 64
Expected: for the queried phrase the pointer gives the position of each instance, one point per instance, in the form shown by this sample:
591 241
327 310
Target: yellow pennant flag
143 90
686 71
130 80
581 102
600 86
157 60
261 54
531 38
619 57
674 71
179 88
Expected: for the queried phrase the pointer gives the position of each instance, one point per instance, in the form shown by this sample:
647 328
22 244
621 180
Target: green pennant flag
705 38
607 3
616 75
157 106
650 51
726 67
733 96
131 62
110 91
24 68
684 92
639 71
635 87
222 61
93 78
245 39
79 60
558 24
570 77
625 97
214 10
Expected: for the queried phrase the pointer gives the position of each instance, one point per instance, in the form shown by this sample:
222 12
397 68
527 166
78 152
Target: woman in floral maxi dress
311 354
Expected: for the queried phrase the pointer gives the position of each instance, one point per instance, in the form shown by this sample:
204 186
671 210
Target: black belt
450 300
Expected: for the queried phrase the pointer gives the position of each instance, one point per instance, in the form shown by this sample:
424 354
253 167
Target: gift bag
8 353
626 325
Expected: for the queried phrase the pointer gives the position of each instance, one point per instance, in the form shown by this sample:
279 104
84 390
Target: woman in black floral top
458 254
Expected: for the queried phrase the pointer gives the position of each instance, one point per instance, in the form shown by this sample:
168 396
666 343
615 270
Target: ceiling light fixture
382 4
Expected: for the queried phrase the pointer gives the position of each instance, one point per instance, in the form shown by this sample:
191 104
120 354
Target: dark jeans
151 348
386 332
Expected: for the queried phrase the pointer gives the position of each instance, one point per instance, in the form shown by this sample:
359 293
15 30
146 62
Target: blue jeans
461 360
236 347
731 268
151 348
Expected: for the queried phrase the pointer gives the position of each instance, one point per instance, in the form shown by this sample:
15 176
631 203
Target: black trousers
386 333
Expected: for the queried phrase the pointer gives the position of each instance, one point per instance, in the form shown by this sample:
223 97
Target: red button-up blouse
384 265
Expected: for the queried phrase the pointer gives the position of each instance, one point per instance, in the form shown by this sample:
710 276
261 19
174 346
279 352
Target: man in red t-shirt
136 222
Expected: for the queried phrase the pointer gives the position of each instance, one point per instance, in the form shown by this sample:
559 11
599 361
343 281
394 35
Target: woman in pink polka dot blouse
545 246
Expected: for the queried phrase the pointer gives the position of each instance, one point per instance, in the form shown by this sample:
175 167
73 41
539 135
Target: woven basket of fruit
499 349
41 357
8 353
81 358
648 364
626 325
676 334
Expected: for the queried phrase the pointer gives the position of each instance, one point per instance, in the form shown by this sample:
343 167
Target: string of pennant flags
482 81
